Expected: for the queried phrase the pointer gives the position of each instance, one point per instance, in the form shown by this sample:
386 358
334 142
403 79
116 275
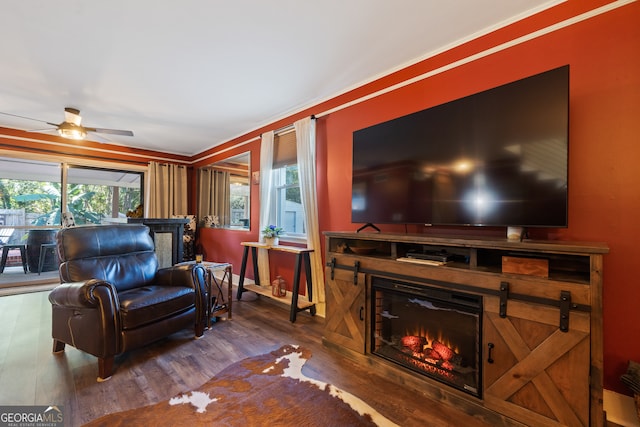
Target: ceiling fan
71 127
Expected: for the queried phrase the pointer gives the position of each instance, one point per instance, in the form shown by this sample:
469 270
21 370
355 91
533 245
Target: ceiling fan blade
110 131
28 118
44 129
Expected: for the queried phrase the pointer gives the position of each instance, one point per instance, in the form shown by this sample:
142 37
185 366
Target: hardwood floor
31 375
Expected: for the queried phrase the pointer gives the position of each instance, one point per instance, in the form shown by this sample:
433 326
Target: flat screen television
494 158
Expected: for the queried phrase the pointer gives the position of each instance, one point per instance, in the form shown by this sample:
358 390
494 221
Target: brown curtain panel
214 194
166 190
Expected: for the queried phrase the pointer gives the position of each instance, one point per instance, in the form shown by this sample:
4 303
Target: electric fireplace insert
434 332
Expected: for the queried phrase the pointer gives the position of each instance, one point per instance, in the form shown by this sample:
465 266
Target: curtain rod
288 128
283 130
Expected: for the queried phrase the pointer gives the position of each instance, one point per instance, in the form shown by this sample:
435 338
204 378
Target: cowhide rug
265 390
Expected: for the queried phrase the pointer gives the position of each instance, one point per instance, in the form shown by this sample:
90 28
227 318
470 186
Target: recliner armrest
191 275
82 294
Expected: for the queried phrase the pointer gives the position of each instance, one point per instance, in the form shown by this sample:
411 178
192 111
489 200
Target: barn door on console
346 310
534 372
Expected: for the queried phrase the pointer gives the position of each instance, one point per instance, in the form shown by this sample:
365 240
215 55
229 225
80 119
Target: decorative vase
271 241
279 287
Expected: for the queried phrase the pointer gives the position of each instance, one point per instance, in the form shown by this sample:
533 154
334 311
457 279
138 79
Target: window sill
293 239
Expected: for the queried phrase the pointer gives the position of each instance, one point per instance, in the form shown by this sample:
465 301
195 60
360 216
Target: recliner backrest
123 255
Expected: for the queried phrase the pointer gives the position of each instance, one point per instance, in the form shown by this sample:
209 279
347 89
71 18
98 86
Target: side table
217 302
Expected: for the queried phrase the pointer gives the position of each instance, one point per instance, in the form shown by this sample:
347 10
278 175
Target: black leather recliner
113 298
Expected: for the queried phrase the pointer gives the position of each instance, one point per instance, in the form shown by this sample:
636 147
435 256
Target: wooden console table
302 257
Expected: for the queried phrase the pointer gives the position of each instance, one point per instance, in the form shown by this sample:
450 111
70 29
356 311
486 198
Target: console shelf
567 260
542 320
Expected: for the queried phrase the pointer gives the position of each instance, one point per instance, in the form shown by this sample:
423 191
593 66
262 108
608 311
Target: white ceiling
188 75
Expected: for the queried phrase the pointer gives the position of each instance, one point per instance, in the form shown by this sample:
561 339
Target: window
32 193
102 195
287 211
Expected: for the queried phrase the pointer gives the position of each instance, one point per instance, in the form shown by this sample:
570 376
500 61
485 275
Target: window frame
278 216
67 166
64 162
285 156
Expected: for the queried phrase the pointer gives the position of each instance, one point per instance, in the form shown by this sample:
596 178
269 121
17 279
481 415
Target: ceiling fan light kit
71 131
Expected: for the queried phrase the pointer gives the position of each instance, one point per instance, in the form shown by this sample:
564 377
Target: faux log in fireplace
430 331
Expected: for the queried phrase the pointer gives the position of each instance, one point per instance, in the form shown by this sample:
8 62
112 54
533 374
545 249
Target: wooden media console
541 333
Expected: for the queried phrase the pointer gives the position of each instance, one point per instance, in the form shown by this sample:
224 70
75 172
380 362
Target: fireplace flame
430 337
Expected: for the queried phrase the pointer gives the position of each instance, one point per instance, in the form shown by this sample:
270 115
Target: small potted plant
271 234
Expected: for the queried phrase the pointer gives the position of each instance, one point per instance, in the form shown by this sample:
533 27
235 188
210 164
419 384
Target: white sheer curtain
266 184
166 190
306 150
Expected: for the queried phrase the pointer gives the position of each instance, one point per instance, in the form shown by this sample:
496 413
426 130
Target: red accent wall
604 175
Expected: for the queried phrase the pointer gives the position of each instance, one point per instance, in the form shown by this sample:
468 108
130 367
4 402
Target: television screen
495 158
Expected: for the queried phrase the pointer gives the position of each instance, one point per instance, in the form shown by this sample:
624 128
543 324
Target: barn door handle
489 358
362 313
